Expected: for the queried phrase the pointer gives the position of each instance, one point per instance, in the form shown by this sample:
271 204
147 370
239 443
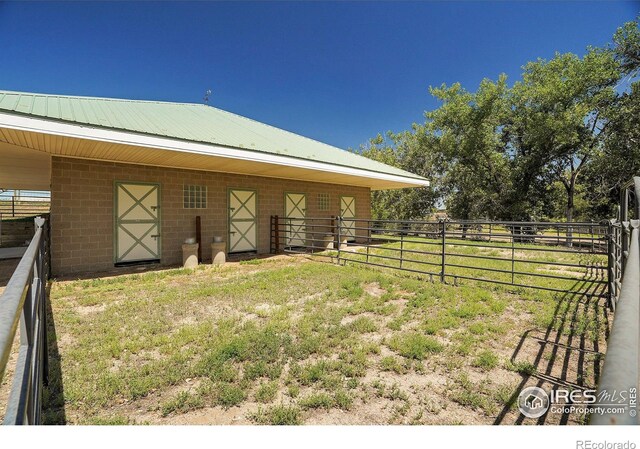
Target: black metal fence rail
303 236
556 257
620 373
23 206
23 302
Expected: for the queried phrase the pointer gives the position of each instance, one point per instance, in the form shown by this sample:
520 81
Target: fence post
610 262
401 248
339 232
624 216
13 206
443 232
513 258
276 233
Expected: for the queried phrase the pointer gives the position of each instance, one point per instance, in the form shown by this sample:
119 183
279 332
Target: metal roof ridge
86 97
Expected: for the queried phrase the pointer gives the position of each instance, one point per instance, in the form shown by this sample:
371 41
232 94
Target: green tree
619 159
467 133
627 48
556 126
404 150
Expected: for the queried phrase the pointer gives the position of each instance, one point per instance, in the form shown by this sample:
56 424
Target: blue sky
336 72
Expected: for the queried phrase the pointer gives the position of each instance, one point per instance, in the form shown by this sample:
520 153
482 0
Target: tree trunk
571 190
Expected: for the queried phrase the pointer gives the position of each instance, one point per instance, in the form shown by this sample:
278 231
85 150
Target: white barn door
137 222
347 211
243 235
295 211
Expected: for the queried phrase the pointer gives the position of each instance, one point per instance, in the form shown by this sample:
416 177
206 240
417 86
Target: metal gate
295 210
137 222
242 221
347 211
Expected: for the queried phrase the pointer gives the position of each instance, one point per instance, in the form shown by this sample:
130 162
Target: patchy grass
278 415
486 360
414 345
286 341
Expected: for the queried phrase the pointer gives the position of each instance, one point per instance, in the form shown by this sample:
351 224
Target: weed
278 415
266 392
390 363
486 360
414 345
182 403
316 400
229 395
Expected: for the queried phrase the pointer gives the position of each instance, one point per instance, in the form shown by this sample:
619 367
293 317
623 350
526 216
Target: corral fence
620 373
23 311
559 257
23 204
585 259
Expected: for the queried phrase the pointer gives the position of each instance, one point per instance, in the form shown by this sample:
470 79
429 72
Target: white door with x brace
295 211
347 211
242 221
137 222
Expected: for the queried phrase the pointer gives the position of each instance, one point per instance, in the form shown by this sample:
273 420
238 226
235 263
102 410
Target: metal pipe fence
620 373
591 259
23 206
547 256
23 304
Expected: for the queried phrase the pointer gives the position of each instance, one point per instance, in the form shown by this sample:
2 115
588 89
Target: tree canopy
555 145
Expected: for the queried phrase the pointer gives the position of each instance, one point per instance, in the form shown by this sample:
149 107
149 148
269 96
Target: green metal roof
185 121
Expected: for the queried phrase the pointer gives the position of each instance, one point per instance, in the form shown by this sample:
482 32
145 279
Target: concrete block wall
82 208
16 232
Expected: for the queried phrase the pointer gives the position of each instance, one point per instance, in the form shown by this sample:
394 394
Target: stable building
128 177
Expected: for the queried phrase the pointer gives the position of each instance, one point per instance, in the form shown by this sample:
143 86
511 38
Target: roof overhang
87 142
23 168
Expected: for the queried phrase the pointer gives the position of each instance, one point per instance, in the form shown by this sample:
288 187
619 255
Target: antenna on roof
207 94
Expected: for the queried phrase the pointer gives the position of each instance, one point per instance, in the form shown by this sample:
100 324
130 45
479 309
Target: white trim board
37 125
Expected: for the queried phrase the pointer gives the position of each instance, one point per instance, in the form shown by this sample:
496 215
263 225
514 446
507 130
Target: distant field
467 258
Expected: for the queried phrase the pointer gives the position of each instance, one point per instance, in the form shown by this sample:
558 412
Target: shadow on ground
568 354
53 411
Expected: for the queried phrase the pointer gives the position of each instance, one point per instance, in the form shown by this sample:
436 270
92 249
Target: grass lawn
288 340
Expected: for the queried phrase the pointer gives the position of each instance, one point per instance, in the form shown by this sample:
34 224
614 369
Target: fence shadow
53 411
567 354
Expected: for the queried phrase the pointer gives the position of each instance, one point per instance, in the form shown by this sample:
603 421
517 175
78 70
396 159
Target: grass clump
391 363
524 368
316 400
182 403
229 395
486 360
364 325
278 415
414 345
266 392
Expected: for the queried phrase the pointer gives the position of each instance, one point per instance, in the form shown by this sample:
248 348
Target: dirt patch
88 310
374 289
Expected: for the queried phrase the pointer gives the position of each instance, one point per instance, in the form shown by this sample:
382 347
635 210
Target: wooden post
276 233
401 248
199 238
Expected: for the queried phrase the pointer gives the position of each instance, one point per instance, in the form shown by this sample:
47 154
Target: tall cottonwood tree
556 125
509 152
471 154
